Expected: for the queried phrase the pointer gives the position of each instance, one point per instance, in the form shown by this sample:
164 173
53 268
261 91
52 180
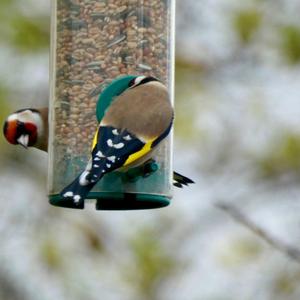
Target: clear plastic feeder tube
93 43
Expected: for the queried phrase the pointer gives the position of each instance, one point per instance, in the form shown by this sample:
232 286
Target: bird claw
149 168
143 171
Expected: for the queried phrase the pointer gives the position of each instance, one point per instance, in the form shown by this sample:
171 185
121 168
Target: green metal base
115 201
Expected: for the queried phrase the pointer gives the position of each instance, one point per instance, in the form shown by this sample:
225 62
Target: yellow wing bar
95 139
135 156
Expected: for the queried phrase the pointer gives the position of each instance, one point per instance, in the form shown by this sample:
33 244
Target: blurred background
235 234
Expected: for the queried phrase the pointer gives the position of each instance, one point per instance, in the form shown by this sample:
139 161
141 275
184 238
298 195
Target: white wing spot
77 198
115 132
119 146
112 158
108 165
68 194
95 176
88 166
96 166
100 154
82 179
110 143
127 138
97 159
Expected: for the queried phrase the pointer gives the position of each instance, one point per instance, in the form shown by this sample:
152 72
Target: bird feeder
95 43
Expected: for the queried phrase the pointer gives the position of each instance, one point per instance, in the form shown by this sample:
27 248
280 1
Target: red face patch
14 129
10 131
31 130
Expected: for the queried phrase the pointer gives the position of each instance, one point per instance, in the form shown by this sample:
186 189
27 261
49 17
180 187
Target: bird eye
131 82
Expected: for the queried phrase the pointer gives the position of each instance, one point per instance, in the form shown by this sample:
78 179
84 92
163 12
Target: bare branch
288 250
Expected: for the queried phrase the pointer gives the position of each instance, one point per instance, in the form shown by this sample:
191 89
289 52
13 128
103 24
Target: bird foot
143 171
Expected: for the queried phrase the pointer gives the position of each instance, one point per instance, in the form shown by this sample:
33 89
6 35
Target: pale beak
23 140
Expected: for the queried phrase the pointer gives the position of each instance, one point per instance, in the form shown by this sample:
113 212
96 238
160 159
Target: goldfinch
133 125
28 127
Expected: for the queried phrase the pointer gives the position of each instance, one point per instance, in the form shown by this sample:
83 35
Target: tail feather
180 181
77 191
109 153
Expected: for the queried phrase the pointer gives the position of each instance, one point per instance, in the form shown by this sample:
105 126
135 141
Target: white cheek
26 116
139 80
12 117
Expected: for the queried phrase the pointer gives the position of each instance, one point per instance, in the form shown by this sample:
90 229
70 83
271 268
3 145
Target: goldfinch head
22 127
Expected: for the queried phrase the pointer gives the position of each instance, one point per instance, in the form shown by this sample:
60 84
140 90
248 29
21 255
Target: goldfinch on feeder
133 125
29 127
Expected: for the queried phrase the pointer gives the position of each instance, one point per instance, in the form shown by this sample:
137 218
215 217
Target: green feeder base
121 201
115 201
